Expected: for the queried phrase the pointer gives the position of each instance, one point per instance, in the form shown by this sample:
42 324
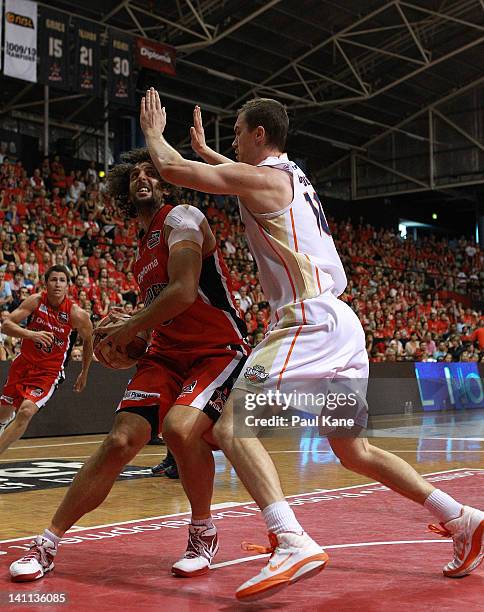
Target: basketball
114 359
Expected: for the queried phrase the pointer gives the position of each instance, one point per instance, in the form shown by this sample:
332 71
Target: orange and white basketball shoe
467 531
201 549
35 563
293 556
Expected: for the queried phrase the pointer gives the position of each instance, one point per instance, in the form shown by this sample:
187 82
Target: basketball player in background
53 322
313 335
182 381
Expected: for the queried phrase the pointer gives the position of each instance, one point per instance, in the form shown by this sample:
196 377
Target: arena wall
393 389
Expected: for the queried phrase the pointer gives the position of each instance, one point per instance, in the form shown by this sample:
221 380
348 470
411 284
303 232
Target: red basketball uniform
193 359
36 372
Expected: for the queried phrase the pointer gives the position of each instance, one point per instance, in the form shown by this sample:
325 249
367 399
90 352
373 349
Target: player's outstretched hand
197 133
152 115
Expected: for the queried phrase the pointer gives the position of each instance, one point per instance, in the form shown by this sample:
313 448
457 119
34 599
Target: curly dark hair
118 181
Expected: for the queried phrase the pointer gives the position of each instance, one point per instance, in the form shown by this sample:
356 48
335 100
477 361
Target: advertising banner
156 56
20 58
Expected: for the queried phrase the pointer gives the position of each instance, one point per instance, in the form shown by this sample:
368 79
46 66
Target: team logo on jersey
43 308
256 374
154 239
63 317
189 388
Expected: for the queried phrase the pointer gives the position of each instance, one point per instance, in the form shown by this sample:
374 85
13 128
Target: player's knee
122 444
176 434
26 412
353 456
223 432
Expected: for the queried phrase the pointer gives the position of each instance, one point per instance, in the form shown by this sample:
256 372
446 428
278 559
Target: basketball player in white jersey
313 335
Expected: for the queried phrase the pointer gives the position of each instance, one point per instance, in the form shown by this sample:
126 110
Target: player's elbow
187 294
6 327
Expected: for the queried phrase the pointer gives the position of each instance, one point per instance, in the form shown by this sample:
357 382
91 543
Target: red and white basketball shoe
4 424
35 563
201 549
467 531
293 556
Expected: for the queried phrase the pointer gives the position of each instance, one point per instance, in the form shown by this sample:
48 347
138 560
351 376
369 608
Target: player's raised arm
82 322
199 144
11 326
228 178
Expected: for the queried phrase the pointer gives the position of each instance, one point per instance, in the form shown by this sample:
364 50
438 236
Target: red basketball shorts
27 381
202 379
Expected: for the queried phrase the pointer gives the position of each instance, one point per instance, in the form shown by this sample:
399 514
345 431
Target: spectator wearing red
478 335
94 261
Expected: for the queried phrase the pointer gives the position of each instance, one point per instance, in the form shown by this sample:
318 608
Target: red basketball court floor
381 558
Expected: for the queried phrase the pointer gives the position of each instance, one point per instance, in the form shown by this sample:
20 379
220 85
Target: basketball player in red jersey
53 320
196 353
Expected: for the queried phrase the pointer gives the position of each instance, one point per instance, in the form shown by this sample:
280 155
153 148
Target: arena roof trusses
384 96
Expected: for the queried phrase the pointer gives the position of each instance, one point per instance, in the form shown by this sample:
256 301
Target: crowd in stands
414 299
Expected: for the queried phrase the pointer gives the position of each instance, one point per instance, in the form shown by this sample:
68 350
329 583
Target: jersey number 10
317 209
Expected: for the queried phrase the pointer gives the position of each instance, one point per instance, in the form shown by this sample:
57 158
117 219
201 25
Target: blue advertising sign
449 385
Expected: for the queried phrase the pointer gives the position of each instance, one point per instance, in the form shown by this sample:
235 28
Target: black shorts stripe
213 408
213 288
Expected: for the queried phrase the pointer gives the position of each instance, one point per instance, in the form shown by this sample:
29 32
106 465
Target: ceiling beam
114 11
317 47
165 21
418 44
453 94
446 16
135 20
199 18
405 58
232 28
339 144
18 97
15 107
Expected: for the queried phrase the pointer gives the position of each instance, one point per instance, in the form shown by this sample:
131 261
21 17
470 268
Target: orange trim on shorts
291 348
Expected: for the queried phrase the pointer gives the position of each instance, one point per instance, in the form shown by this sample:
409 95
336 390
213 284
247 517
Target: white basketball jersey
294 251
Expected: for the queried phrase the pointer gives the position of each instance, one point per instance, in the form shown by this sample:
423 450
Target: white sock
279 518
48 535
443 506
208 523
